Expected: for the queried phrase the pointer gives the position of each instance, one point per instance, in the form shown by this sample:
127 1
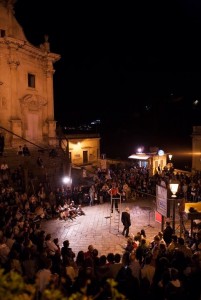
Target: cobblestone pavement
98 229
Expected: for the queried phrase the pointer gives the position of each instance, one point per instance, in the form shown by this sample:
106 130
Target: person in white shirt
51 247
43 276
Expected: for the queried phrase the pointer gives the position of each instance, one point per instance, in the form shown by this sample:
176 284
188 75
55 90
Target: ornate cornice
12 42
33 102
29 49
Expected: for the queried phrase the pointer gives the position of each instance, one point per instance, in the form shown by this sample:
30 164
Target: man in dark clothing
167 233
126 220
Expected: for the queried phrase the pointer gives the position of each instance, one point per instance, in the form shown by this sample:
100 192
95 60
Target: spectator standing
67 253
167 233
92 192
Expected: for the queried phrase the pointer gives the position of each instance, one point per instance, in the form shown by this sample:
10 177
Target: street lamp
140 149
67 180
174 185
174 188
170 157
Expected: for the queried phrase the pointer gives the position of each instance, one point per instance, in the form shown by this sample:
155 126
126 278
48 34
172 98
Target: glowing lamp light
170 156
161 152
140 149
66 180
174 188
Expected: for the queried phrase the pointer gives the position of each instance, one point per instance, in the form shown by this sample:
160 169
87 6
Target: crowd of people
165 268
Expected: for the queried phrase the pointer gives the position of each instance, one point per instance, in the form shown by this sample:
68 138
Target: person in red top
115 195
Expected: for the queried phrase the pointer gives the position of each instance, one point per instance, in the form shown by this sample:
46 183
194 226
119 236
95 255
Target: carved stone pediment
33 102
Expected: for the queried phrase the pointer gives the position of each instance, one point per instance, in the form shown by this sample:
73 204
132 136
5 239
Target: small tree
13 287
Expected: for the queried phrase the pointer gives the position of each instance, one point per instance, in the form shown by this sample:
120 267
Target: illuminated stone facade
196 148
26 84
83 149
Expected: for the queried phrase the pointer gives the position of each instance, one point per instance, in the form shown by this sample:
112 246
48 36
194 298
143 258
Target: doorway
32 124
85 157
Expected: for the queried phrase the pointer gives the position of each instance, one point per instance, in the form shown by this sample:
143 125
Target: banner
158 217
161 200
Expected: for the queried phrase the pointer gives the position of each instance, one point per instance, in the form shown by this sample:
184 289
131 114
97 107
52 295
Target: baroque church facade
26 84
27 95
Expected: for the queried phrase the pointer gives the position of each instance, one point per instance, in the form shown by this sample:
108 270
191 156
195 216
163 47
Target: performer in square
115 195
126 220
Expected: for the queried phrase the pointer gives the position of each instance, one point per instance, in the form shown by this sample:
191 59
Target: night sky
134 67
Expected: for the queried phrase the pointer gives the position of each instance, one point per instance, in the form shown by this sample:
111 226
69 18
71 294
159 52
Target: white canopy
139 156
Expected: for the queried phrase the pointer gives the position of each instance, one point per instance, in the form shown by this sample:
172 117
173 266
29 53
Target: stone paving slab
98 229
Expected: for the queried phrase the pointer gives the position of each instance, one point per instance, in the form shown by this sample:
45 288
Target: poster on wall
161 200
158 217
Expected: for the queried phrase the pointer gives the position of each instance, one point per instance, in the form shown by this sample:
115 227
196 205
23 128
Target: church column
50 97
16 125
50 105
14 63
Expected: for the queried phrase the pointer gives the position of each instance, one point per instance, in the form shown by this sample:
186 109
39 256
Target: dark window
31 80
85 157
2 33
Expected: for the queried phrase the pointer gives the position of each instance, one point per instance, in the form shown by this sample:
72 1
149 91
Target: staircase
53 170
51 174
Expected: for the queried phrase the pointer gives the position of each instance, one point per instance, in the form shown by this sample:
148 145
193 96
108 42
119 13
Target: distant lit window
31 80
2 33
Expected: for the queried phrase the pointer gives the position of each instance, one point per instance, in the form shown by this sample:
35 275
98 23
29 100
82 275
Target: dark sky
136 67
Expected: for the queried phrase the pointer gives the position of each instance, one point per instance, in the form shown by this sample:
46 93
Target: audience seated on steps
40 162
20 151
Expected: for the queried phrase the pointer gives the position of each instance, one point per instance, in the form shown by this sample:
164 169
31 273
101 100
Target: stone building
26 84
83 149
196 148
27 99
155 161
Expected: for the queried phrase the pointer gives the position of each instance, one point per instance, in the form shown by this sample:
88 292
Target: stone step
53 171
